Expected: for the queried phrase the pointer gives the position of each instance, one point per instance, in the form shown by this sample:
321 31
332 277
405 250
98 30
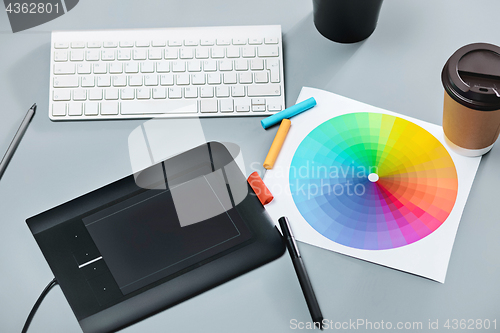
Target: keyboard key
174 92
61 55
261 77
140 54
268 51
258 101
230 78
84 68
159 107
100 68
256 64
273 107
213 78
143 93
147 67
88 81
222 91
178 66
127 93
92 55
248 52
226 105
142 43
271 40
158 43
175 42
126 43
264 90
233 52
116 68
104 81
191 42
155 54
182 79
111 94
65 81
171 53
110 44
108 55
207 92
159 93
238 91
135 80
241 65
151 80
91 109
62 95
207 42
95 94
79 94
77 45
218 52
64 68
245 77
162 67
190 92
77 55
255 41
208 106
124 54
132 67
119 80
274 67
258 108
242 108
202 53
198 78
239 41
223 41
167 79
75 109
94 44
59 109
225 65
109 108
210 65
194 66
186 53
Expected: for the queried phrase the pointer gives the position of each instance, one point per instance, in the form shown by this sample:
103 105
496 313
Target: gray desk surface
397 68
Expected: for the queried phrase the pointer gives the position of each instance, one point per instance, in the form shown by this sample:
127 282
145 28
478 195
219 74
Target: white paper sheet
429 256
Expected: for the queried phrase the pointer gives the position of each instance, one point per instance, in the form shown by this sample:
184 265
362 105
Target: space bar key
159 107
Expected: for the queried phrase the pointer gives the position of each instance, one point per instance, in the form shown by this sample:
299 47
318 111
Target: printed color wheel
373 181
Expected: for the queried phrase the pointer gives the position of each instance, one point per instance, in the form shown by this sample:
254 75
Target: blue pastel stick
288 112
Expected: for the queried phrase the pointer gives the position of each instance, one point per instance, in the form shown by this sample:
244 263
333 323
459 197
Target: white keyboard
169 73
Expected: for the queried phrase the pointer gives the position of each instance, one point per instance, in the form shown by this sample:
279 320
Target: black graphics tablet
151 240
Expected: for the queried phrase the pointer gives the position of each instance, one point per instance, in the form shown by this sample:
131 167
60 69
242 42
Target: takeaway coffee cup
471 110
346 21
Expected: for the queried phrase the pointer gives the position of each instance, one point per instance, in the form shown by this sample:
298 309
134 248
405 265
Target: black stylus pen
17 138
300 269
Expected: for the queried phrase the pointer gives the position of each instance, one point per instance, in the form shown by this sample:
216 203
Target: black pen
17 139
300 269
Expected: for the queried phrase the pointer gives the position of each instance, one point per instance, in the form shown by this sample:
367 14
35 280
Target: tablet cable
37 304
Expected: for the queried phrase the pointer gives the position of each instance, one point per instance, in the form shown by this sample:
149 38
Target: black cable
37 304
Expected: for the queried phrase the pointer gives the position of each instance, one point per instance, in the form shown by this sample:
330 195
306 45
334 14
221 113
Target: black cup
346 21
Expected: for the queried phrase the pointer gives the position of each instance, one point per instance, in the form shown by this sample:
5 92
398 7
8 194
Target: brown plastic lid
472 76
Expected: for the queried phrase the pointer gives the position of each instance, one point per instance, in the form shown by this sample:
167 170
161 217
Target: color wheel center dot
373 177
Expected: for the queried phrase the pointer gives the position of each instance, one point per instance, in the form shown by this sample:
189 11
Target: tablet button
94 269
83 256
105 288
